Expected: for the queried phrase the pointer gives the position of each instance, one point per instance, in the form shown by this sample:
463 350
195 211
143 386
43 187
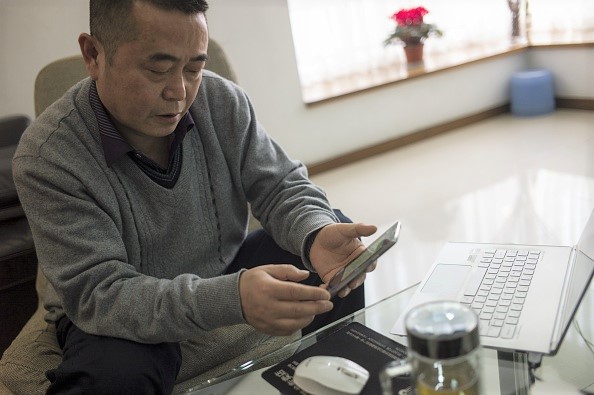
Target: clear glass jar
443 352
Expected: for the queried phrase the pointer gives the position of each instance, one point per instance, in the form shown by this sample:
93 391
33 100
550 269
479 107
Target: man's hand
335 246
274 303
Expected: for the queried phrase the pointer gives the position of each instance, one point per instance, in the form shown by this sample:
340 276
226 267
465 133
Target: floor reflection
538 207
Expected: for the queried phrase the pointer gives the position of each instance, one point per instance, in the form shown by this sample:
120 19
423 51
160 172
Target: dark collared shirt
115 145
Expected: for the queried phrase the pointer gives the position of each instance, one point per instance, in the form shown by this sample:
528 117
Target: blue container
532 93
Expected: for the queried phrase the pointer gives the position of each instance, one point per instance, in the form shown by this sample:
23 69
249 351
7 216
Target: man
136 184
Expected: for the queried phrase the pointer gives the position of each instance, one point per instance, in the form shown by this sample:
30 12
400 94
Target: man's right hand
275 303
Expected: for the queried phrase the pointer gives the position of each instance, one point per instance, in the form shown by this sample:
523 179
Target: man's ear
92 52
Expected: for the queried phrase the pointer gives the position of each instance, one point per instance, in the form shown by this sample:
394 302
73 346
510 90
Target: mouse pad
354 341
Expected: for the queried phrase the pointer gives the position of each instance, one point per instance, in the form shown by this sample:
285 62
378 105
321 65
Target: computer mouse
326 375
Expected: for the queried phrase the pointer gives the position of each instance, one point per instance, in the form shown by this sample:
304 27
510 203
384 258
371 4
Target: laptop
524 295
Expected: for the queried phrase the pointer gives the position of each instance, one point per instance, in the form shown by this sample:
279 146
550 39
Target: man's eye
158 72
193 74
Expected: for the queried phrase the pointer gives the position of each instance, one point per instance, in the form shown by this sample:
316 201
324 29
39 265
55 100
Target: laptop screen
580 276
586 242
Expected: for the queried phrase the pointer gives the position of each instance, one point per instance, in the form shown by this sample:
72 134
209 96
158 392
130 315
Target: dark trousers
104 365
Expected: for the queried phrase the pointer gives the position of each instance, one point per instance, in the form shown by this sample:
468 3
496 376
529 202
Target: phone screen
358 265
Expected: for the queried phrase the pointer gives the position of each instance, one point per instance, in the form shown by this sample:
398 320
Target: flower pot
414 52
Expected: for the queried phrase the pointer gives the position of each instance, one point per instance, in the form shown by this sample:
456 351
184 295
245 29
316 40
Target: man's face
152 81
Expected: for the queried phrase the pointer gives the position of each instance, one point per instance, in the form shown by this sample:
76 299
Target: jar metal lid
442 330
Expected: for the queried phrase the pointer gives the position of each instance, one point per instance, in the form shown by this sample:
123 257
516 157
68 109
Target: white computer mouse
325 375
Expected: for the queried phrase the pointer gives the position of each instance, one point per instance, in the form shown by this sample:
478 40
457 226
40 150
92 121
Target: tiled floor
506 179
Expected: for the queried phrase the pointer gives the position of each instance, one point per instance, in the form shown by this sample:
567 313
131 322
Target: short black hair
111 22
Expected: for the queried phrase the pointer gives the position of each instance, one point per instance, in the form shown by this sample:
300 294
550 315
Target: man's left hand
336 245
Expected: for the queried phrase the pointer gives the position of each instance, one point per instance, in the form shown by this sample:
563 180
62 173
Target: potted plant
411 30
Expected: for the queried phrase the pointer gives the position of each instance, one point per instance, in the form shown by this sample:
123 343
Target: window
555 22
339 43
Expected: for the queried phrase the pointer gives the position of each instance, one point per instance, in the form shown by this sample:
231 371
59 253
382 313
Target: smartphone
358 265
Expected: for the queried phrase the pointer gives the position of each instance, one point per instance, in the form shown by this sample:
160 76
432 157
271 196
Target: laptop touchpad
446 279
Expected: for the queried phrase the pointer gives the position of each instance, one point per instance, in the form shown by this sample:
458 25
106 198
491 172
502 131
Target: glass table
570 371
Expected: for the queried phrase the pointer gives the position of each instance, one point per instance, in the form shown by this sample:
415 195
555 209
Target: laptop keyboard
498 290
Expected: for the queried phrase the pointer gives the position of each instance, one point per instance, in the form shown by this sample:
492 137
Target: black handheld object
358 265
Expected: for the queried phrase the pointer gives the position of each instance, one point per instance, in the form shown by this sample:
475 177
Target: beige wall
32 34
257 37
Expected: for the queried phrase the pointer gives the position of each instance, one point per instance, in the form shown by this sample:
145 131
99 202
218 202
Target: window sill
397 72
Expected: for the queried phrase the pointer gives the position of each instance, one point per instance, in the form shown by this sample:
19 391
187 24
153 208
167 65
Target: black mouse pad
354 341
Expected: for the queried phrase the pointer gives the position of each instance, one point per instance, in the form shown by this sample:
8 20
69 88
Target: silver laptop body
525 295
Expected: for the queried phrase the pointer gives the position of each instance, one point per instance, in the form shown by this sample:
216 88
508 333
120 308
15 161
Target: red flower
413 16
410 27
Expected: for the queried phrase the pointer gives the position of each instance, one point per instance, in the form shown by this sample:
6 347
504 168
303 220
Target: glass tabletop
502 372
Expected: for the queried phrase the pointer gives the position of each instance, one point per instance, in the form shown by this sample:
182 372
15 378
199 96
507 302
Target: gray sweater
128 258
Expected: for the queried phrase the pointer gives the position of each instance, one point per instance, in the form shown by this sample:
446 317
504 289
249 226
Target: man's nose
176 88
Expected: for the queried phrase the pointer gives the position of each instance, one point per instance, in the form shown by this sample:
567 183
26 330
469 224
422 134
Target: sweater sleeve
289 206
287 203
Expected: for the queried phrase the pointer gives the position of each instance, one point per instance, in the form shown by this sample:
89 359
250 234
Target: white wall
572 68
257 37
32 34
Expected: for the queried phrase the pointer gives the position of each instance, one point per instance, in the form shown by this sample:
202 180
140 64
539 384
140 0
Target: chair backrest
219 62
57 77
